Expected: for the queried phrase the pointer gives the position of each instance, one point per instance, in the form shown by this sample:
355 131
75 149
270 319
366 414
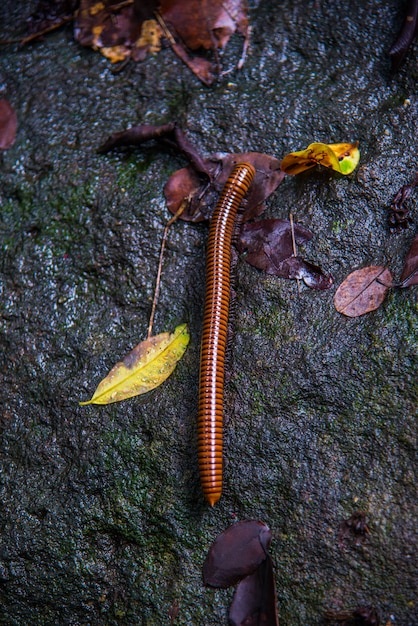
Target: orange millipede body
214 333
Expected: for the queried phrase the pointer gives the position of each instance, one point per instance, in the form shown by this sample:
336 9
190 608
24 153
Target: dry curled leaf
340 157
148 365
363 291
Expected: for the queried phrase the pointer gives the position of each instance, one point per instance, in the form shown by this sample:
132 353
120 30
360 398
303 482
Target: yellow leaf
144 368
348 156
340 157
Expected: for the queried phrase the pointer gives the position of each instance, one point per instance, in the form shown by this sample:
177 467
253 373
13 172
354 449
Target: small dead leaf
8 124
237 552
313 276
148 365
409 274
255 602
269 242
340 157
363 291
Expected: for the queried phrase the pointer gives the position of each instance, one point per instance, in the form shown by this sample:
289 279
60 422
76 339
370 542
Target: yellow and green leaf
340 157
148 365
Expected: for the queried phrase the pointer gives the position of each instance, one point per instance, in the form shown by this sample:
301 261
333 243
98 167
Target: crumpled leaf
269 247
237 552
409 274
363 291
313 276
399 211
340 157
269 242
186 185
255 602
148 365
8 124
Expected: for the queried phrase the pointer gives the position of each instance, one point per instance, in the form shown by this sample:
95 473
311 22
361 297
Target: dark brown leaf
8 124
236 553
406 36
313 276
409 274
363 291
269 242
255 602
269 247
186 185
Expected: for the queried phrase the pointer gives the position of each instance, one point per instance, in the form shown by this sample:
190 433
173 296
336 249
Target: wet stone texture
102 519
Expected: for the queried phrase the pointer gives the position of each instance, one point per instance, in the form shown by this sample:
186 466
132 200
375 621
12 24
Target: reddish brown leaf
255 602
269 242
8 125
186 185
363 291
206 25
236 553
409 274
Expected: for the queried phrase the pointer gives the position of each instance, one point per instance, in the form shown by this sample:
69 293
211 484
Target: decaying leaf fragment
148 365
363 291
340 157
240 555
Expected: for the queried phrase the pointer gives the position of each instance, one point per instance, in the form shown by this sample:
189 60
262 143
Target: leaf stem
160 262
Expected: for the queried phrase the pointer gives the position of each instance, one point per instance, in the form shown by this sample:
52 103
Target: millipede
215 328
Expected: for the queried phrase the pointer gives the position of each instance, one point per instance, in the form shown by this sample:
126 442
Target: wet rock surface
102 517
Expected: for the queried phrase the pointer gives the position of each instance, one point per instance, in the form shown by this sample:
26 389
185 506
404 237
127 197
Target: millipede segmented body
214 333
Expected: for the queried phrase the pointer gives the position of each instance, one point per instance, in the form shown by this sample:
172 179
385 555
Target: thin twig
295 252
164 28
160 262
